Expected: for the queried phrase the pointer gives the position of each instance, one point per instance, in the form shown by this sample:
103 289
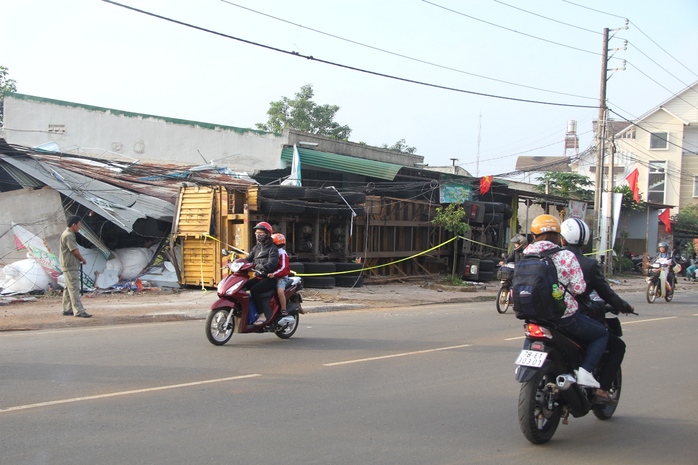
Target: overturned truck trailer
336 237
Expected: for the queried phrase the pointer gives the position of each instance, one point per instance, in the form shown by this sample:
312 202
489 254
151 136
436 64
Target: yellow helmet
545 223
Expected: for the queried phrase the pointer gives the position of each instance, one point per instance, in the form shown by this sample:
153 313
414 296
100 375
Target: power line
638 28
339 65
662 49
511 30
549 19
592 9
418 60
660 85
667 71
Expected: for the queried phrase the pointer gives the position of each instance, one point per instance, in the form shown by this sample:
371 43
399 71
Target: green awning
343 163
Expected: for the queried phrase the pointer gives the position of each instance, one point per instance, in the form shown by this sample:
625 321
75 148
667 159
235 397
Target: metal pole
609 213
600 146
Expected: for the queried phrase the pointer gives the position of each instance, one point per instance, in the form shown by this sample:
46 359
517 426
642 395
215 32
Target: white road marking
124 393
651 319
346 362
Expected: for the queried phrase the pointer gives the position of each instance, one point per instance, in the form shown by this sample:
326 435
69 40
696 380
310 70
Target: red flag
485 183
632 182
664 218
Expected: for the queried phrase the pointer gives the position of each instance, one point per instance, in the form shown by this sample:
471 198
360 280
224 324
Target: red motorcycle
234 311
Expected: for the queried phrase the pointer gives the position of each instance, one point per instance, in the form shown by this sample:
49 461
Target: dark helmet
265 226
663 244
519 241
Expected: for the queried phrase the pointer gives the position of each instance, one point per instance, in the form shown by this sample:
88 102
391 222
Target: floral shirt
569 273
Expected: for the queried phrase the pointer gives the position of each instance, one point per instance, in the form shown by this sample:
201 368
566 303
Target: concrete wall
103 132
39 211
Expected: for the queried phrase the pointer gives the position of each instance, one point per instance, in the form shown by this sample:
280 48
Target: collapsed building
354 207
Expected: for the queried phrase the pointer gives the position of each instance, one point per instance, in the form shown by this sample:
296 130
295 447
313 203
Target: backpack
532 286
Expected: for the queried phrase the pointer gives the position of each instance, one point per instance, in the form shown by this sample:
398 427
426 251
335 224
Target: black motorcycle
505 276
549 390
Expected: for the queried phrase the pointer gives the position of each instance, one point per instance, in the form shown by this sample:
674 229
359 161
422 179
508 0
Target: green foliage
628 204
622 265
302 114
455 281
400 146
687 219
451 218
6 86
569 185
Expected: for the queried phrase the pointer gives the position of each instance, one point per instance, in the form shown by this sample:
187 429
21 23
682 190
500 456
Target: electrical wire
549 19
339 65
511 30
418 60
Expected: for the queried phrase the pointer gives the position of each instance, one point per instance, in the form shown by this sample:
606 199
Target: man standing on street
71 258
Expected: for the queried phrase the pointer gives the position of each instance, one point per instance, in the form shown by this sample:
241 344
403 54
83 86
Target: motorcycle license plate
531 358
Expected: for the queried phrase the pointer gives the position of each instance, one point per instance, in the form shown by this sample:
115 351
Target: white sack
134 259
24 276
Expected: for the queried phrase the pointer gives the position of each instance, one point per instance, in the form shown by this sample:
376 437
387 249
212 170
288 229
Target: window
659 141
657 181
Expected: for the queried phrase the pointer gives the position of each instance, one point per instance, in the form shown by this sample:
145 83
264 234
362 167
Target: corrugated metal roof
118 192
343 163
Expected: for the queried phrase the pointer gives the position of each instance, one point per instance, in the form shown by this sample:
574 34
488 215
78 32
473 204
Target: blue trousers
590 332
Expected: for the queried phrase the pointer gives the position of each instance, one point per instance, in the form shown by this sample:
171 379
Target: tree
302 114
568 185
6 86
627 206
687 219
400 146
451 219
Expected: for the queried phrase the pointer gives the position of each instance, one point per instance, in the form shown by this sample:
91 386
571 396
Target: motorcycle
549 390
505 275
234 311
657 279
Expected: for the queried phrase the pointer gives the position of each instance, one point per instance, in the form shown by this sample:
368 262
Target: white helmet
575 231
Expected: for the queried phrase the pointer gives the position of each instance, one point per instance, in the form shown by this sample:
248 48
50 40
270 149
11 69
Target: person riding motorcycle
575 235
520 244
664 257
265 256
546 235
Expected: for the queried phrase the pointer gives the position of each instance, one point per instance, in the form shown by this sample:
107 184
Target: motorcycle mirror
224 252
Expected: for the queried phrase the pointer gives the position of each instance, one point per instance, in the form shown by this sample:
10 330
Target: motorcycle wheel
670 295
651 292
606 411
503 300
216 332
539 413
287 332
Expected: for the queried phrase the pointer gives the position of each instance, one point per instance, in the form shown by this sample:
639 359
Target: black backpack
532 287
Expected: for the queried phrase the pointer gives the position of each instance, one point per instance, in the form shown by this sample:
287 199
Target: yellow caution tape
378 266
482 243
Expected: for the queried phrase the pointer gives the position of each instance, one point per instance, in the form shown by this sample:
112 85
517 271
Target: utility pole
601 135
600 143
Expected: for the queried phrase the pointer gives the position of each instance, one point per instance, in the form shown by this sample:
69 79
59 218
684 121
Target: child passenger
282 272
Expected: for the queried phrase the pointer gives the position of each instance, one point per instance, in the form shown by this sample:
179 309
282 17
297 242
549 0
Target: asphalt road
426 385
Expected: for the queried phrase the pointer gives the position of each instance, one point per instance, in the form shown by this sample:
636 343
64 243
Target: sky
504 77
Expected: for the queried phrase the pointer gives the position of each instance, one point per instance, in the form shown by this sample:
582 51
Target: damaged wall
39 210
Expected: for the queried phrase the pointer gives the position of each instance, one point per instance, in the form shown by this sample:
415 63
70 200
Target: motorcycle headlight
234 288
